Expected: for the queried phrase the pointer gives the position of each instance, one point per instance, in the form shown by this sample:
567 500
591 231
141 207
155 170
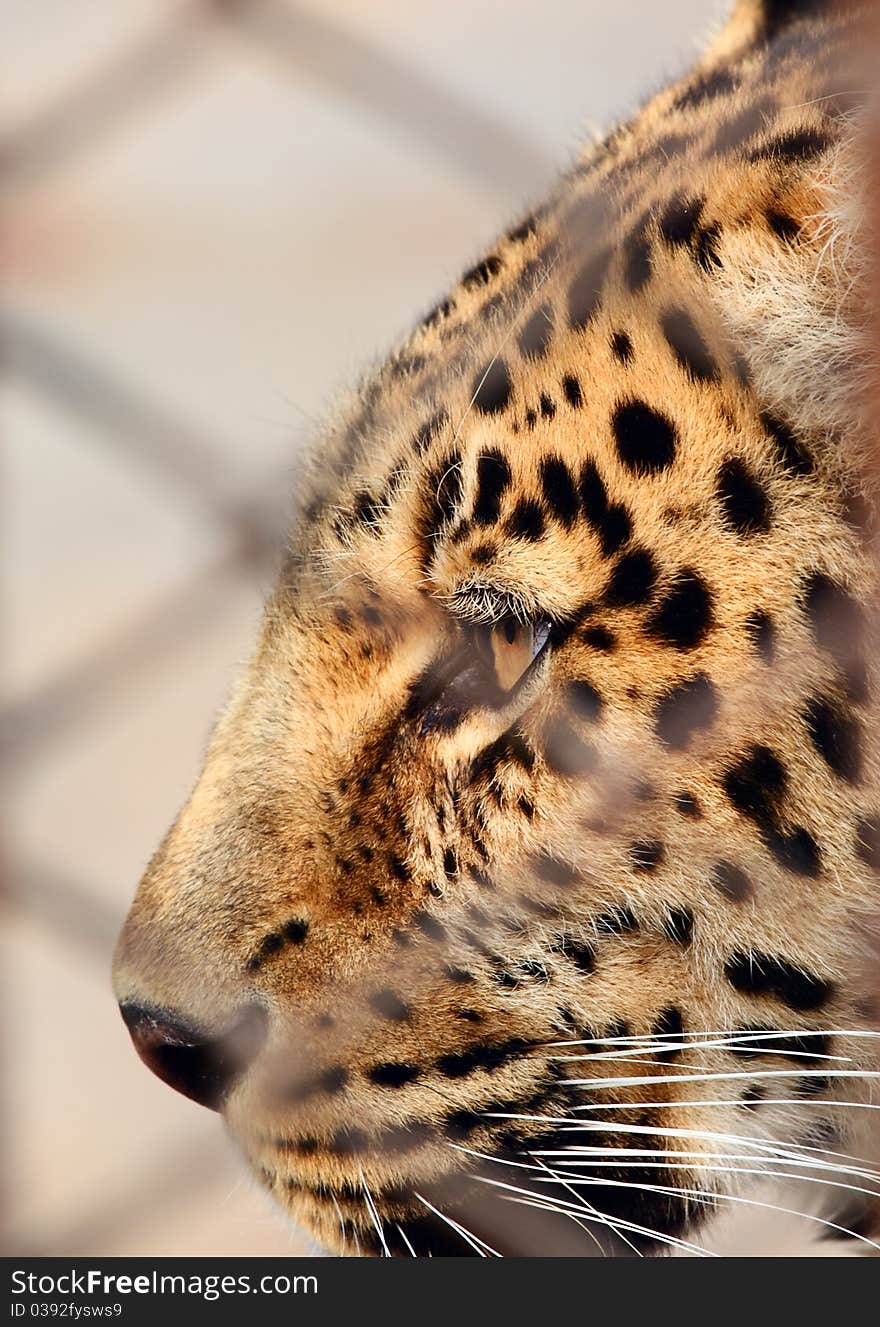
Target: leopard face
533 853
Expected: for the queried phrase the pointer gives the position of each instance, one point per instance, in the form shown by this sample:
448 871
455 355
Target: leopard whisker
478 1245
403 1236
374 1215
341 1221
590 1210
649 1080
563 1208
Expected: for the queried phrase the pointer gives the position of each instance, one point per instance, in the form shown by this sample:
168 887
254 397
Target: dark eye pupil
510 630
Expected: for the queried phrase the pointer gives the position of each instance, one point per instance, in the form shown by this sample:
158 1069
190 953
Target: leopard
526 902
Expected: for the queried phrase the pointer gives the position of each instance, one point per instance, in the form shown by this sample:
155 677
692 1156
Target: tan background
214 214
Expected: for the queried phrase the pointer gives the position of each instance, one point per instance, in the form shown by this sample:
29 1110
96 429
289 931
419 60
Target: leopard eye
509 647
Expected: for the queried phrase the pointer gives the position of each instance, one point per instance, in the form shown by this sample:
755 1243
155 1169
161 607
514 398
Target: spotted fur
455 906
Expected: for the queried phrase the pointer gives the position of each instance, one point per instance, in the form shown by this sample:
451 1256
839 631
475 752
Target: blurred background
214 215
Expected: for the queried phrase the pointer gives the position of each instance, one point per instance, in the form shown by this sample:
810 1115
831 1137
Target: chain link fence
189 188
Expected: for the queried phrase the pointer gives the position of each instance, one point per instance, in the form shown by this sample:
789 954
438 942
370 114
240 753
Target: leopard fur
624 905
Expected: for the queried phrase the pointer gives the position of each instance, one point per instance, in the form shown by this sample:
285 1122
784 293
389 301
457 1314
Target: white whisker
371 1208
467 1235
402 1234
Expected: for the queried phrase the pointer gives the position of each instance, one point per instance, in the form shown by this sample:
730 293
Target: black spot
593 494
469 1016
492 388
763 974
646 856
731 881
678 925
796 851
393 1074
426 433
585 290
687 805
429 926
669 1025
366 512
617 921
707 87
600 638
753 1096
683 618
443 495
482 273
489 1057
578 952
450 863
745 505
835 617
526 520
522 232
572 389
548 406
868 842
632 581
811 1087
389 1004
615 529
439 313
784 227
793 146
493 480
763 633
835 736
565 752
584 699
706 251
756 784
559 491
688 345
646 439
792 454
637 257
680 219
295 931
535 337
688 709
622 348
398 868
461 1124
511 748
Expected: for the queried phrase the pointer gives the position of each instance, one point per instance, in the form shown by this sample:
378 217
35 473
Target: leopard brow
484 601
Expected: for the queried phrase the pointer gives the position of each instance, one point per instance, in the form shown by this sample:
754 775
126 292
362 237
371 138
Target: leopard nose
202 1067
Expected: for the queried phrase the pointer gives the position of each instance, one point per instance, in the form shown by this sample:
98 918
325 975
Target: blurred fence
141 533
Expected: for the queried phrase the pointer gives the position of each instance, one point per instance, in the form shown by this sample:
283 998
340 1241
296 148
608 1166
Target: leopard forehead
673 827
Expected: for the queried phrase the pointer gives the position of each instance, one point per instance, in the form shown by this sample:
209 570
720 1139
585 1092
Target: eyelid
487 602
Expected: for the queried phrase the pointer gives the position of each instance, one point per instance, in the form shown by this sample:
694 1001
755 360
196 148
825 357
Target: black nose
201 1067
